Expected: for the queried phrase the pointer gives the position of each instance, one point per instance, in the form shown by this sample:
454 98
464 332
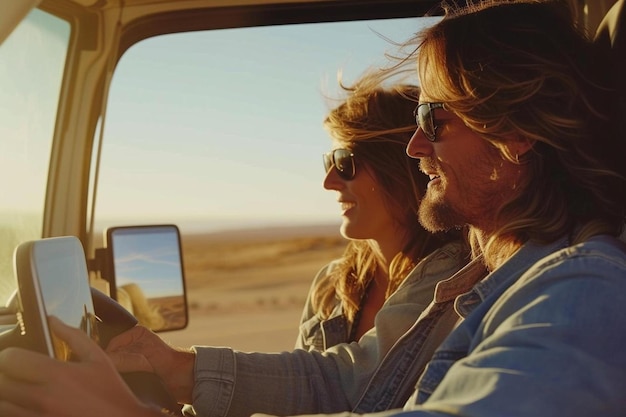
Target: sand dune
246 288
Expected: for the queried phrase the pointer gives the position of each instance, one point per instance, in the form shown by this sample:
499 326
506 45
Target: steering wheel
147 386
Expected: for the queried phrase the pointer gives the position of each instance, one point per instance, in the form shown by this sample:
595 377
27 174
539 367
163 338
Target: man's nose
419 146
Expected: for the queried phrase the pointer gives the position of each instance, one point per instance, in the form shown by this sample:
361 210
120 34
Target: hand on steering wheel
33 384
140 375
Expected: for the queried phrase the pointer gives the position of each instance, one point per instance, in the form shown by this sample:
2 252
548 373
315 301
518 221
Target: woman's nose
419 146
332 181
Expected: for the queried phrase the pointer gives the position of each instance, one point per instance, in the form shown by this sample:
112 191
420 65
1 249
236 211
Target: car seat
610 35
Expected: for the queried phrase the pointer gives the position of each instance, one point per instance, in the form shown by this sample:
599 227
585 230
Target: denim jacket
316 333
414 295
232 383
544 335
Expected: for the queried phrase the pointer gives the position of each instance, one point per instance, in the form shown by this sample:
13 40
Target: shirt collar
502 278
461 282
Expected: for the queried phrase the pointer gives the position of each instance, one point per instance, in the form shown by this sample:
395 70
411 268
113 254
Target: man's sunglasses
343 161
425 119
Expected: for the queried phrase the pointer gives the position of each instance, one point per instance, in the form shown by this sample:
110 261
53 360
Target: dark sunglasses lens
328 161
425 120
344 163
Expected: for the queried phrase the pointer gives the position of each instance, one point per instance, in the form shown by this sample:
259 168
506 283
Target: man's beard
438 215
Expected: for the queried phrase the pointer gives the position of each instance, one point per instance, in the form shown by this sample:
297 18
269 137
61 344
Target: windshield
31 70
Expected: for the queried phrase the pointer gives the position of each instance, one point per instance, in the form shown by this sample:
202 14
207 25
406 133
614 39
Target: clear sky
28 100
148 260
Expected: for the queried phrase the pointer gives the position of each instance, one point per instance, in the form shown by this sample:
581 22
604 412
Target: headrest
610 36
610 32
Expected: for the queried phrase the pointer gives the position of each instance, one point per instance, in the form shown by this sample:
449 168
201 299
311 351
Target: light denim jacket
319 334
544 335
237 384
414 295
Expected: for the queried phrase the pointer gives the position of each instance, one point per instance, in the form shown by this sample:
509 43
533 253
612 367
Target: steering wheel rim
147 386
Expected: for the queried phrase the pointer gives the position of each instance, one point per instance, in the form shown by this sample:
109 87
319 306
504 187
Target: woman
379 188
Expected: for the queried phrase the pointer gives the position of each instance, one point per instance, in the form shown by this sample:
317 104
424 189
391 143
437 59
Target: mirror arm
103 263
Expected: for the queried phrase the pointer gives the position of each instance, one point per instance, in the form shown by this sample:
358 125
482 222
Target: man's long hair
522 69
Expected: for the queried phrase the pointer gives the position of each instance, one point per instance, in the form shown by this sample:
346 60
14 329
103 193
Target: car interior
98 34
610 35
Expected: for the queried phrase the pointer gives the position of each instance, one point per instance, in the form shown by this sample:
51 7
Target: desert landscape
246 288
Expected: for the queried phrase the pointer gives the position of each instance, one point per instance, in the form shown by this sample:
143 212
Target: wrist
181 380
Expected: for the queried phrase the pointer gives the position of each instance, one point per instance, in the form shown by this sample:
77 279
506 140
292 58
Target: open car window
221 130
32 61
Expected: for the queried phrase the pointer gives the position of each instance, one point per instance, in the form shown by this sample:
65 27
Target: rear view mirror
147 275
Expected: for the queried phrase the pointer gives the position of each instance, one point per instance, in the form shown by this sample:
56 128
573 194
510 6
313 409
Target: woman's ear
517 147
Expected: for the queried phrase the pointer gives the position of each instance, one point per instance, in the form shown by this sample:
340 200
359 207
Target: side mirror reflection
147 275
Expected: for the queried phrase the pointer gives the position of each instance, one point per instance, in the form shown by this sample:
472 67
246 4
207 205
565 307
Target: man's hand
33 384
140 349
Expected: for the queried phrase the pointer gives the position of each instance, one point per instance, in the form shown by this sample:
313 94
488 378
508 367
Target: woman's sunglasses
343 161
425 119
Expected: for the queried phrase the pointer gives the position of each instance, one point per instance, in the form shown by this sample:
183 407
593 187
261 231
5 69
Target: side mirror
144 267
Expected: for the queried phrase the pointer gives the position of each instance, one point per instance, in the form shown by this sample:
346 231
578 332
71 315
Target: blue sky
226 125
150 261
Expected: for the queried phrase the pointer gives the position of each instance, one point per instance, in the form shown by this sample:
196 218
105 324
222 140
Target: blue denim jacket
319 334
232 383
544 335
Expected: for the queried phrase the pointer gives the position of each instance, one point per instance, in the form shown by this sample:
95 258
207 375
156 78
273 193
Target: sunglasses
343 161
425 119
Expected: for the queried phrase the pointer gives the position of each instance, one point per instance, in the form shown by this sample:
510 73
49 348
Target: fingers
13 359
33 367
33 384
79 342
134 338
18 388
130 362
9 409
130 350
88 351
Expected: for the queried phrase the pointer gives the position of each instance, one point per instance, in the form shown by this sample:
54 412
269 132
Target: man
512 136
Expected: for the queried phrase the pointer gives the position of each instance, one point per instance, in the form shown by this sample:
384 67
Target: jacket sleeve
551 345
237 384
308 312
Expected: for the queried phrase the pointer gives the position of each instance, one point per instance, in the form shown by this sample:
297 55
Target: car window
32 59
222 127
220 132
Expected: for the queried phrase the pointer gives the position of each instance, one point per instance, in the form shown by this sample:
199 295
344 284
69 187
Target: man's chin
438 217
